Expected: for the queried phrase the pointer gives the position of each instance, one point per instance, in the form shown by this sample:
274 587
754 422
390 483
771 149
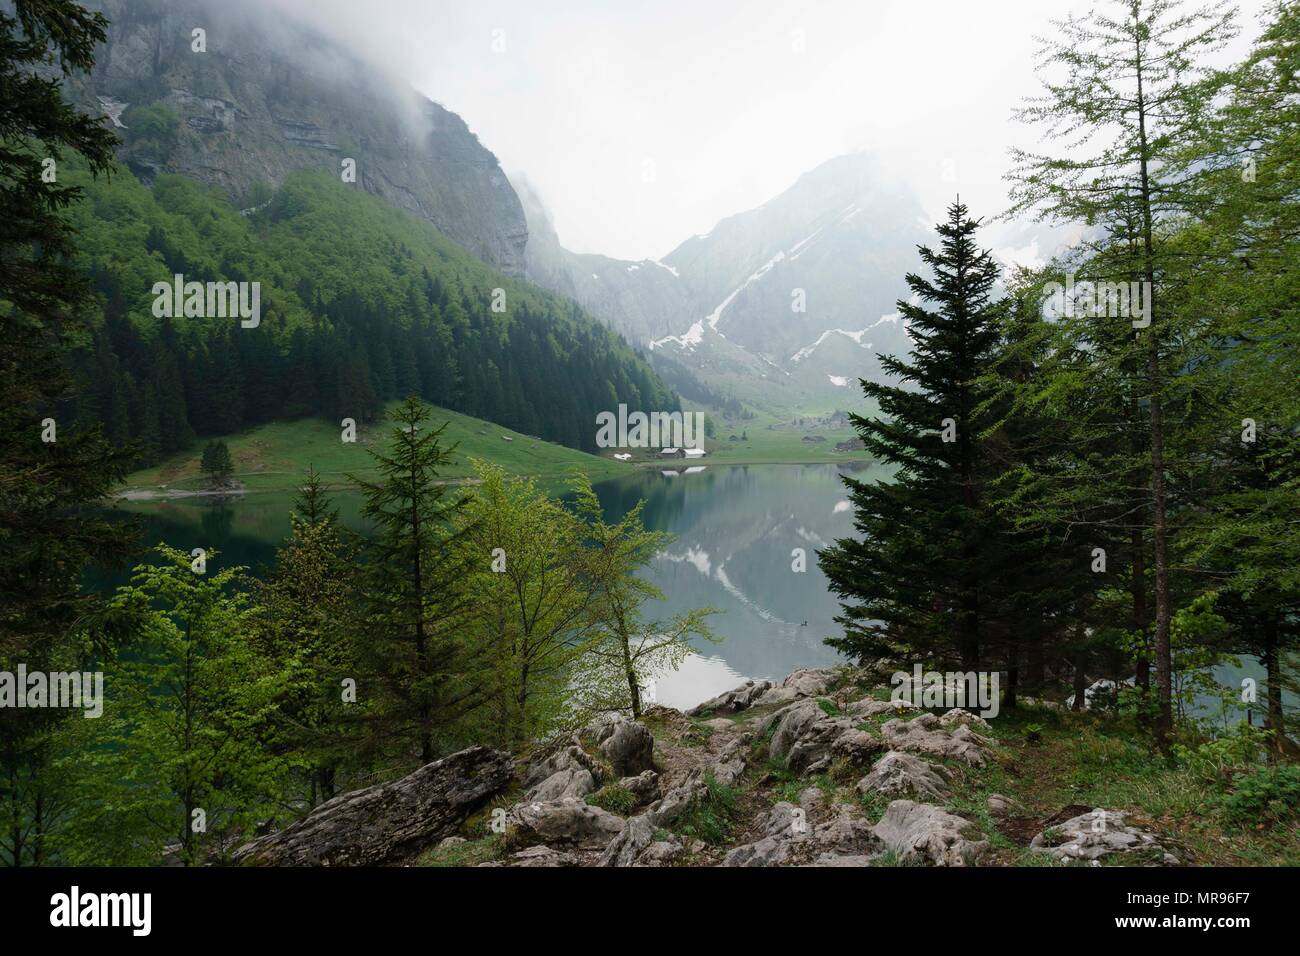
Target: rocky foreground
816 770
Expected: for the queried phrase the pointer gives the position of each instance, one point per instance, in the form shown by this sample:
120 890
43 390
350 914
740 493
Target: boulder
812 800
569 821
856 747
807 739
388 822
789 838
1100 833
1003 806
536 856
781 829
566 783
926 735
563 770
644 786
921 829
804 682
737 699
898 774
870 707
631 841
809 682
629 747
637 833
958 717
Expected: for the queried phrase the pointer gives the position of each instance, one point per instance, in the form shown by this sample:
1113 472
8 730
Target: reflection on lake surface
735 532
734 529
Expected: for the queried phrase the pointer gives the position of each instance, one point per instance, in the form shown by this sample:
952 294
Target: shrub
1266 793
1215 760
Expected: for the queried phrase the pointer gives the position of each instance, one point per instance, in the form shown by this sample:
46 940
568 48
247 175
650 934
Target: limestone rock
921 829
1102 693
1100 833
737 699
958 717
387 822
926 735
567 821
637 833
644 786
870 707
1003 806
564 771
536 856
629 747
810 682
789 838
898 774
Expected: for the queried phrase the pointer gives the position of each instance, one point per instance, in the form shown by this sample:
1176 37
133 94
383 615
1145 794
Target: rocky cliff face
269 96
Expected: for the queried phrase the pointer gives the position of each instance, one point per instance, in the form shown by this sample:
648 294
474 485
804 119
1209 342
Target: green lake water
734 530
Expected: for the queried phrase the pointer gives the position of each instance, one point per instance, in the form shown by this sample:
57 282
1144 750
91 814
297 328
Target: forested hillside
360 304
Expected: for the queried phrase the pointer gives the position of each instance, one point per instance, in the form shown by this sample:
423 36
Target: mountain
270 96
785 305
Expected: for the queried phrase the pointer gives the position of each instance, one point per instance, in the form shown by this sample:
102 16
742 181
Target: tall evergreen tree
49 469
1124 97
409 631
921 577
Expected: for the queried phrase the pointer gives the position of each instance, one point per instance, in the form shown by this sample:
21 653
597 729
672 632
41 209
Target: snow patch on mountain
808 350
693 337
762 270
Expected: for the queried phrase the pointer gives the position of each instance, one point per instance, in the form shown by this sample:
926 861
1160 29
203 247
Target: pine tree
47 535
217 464
301 622
1129 103
916 580
409 631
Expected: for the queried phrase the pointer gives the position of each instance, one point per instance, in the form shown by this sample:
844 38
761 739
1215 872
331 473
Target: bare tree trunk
1080 678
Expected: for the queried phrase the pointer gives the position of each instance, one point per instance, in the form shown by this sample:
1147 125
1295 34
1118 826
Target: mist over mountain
797 295
270 96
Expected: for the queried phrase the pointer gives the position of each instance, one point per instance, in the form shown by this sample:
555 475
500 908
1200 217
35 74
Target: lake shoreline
139 493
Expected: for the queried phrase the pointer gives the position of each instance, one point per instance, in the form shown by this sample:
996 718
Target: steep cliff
267 96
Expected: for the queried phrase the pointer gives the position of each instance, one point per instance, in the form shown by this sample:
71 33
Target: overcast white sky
641 123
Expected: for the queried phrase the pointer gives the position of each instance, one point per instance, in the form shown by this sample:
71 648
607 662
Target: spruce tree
49 469
1124 98
217 464
409 631
919 578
